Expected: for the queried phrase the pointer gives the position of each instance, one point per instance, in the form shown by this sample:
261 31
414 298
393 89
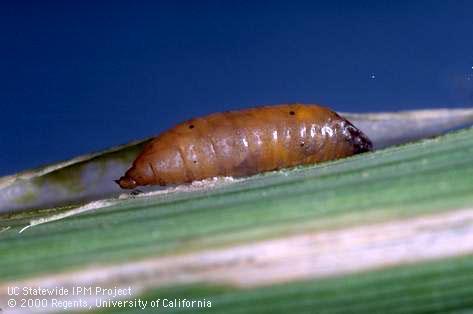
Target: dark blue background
77 78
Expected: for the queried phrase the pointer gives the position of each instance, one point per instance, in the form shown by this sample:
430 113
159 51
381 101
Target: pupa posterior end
126 183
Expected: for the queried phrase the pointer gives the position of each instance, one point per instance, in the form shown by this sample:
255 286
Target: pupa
243 143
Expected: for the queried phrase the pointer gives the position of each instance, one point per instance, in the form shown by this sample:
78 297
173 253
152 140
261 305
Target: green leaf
263 244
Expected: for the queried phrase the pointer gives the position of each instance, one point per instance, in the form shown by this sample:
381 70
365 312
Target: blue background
82 77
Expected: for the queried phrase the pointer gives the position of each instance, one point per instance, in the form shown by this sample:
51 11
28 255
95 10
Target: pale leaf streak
82 209
291 258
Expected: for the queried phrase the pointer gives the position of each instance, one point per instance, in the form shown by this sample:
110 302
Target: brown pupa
245 142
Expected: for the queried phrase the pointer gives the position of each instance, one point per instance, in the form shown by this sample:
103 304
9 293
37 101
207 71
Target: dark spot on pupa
292 113
361 143
194 161
191 126
302 144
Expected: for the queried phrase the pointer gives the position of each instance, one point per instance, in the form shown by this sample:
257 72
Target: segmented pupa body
245 142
